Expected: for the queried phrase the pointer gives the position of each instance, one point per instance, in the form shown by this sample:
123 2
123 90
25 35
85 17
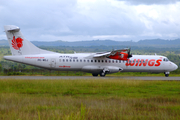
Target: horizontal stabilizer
13 29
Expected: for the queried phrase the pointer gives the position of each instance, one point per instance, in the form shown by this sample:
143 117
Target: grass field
89 99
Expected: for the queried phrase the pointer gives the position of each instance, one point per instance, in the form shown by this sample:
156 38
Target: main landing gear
94 74
102 73
166 74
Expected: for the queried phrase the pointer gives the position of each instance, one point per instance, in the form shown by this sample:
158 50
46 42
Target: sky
83 20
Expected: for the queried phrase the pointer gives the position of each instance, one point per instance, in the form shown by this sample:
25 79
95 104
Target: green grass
89 99
70 73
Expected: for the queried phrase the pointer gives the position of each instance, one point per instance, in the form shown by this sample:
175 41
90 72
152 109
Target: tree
0 67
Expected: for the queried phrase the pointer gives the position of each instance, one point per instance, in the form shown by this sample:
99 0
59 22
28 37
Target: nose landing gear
166 74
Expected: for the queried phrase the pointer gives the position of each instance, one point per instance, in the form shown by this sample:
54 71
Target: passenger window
119 61
98 60
73 60
106 61
76 60
95 61
80 60
66 60
70 60
91 60
102 61
45 59
63 60
84 60
87 60
109 61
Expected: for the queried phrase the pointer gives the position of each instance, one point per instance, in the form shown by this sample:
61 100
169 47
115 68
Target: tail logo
17 43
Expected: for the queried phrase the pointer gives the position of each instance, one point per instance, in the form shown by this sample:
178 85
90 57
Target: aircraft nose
175 66
172 66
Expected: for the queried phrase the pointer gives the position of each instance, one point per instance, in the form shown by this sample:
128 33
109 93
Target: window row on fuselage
103 61
90 60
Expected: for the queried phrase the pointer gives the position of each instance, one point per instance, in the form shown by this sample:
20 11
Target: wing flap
101 54
106 54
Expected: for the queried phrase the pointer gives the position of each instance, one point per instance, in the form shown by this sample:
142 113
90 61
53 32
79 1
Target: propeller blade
129 54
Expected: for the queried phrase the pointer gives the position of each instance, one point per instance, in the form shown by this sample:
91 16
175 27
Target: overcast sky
77 20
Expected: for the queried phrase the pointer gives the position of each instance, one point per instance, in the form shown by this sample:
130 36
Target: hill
153 42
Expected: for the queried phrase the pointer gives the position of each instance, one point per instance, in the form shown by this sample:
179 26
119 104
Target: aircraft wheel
102 74
94 74
167 75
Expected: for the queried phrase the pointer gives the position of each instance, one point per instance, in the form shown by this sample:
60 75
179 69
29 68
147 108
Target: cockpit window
165 59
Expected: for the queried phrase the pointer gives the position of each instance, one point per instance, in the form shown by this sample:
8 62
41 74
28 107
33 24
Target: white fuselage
86 62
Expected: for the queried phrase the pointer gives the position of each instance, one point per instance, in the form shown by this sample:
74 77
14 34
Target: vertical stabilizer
18 44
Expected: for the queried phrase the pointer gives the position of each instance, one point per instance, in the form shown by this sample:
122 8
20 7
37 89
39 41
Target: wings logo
142 62
17 43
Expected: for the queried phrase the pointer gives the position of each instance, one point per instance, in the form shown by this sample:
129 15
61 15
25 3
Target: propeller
129 54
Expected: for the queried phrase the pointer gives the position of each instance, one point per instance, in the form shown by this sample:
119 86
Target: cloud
150 2
73 20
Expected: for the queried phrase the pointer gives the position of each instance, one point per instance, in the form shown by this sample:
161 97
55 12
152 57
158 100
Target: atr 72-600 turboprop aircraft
102 63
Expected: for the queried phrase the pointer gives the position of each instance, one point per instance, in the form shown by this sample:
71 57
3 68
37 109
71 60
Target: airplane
100 63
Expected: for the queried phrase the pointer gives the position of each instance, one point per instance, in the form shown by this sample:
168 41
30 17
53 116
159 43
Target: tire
94 74
102 74
166 75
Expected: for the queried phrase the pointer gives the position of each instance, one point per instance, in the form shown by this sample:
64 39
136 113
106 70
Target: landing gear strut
104 72
166 74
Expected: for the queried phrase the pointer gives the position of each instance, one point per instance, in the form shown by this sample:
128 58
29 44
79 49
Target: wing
107 54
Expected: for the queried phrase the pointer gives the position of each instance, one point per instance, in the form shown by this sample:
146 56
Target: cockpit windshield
166 59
